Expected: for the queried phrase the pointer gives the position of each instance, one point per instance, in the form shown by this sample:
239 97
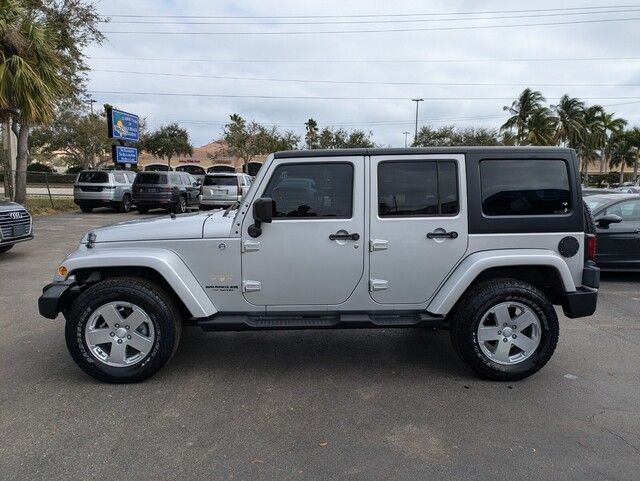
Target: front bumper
51 301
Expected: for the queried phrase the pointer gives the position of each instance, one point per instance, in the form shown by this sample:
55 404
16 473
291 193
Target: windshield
594 204
151 178
220 180
94 177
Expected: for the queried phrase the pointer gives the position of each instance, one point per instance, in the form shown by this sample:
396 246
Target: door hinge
378 285
378 245
251 286
250 246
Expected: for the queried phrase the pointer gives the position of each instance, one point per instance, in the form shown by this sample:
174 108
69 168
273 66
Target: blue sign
124 155
123 125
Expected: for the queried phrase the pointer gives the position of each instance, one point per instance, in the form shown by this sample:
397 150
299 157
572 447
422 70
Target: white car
223 189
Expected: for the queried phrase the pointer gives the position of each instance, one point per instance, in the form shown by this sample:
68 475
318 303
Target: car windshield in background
94 177
220 180
149 178
595 204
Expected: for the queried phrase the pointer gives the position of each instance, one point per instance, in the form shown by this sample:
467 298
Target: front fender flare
472 266
165 262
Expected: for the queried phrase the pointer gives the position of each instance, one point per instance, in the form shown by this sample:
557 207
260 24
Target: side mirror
262 212
609 219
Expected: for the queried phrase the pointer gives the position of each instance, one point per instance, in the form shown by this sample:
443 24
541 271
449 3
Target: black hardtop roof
286 154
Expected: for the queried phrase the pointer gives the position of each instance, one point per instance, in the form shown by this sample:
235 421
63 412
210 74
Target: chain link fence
43 185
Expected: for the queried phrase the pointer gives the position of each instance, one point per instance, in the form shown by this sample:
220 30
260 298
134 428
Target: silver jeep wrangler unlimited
481 241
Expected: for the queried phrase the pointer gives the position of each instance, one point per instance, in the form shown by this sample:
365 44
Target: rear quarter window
525 187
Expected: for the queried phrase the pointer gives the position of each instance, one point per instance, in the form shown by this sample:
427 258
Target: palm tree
311 136
622 153
30 79
590 145
571 123
521 109
611 126
540 128
633 136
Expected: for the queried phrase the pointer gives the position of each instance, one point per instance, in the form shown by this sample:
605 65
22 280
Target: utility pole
415 135
90 101
405 137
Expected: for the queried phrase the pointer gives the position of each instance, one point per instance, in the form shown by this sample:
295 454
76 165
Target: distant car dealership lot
389 404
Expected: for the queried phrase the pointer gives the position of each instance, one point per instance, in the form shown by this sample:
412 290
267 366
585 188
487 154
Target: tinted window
150 178
312 190
628 210
417 188
525 187
220 180
130 175
94 177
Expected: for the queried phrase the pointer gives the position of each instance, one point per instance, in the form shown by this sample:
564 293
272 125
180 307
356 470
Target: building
211 157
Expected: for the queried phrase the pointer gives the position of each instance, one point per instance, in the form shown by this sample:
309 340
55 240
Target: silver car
103 188
16 225
223 189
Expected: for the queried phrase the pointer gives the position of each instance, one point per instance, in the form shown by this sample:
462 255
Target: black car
174 191
617 219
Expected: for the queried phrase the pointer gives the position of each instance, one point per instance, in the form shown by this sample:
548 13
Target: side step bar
288 320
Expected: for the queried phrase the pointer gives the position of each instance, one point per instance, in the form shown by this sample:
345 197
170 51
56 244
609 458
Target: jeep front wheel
122 330
505 329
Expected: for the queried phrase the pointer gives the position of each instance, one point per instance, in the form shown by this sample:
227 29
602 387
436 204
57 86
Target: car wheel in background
143 209
125 206
181 206
86 208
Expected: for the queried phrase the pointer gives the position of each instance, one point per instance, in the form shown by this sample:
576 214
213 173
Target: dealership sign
124 155
123 125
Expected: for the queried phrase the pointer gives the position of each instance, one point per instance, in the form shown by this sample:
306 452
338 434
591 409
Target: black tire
160 308
87 209
143 209
589 223
4 249
181 206
125 206
479 300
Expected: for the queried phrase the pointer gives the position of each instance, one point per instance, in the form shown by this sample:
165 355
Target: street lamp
405 137
415 135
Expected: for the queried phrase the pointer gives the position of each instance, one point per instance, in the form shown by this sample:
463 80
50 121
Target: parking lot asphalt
357 404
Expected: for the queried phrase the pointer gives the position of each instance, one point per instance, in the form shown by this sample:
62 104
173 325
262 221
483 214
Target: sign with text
123 125
124 155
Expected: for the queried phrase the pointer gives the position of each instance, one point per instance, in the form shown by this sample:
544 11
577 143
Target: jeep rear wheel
122 330
505 329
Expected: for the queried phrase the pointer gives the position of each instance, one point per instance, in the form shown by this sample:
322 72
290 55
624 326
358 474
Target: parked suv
104 188
16 225
223 189
480 241
174 191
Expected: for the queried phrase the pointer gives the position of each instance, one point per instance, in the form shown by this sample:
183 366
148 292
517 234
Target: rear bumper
50 302
219 201
581 303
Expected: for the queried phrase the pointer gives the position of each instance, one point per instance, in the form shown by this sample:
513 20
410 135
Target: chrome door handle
442 235
353 237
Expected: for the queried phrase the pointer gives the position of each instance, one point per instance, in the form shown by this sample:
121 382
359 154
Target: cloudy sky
448 52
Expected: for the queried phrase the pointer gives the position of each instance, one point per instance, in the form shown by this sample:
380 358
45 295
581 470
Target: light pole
90 101
415 135
405 137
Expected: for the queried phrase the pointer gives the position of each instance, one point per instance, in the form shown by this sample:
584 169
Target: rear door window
628 210
525 187
94 177
220 180
417 188
151 178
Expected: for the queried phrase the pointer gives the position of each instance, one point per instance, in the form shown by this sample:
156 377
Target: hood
185 226
6 205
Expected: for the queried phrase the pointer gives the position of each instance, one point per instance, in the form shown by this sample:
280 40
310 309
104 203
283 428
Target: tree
42 64
168 142
521 110
622 153
570 129
590 146
311 136
330 138
540 129
448 135
30 79
248 140
633 136
80 137
611 126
